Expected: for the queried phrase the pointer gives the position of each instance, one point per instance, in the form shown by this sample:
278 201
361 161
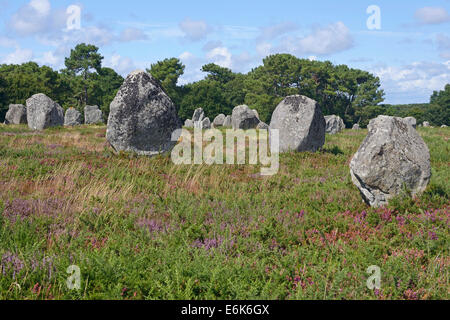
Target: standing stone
43 112
244 118
256 113
198 117
426 124
206 124
142 117
443 126
227 122
219 120
262 126
189 123
356 127
17 114
335 124
73 118
199 114
301 124
412 121
393 156
93 115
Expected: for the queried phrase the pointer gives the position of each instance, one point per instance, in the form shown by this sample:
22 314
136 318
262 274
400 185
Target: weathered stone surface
199 115
43 112
301 124
219 120
227 122
334 124
393 156
244 118
73 117
262 126
142 117
443 126
206 124
356 127
93 115
426 124
17 114
189 123
256 113
412 121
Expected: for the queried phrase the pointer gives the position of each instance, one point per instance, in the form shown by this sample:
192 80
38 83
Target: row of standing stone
143 119
242 117
41 112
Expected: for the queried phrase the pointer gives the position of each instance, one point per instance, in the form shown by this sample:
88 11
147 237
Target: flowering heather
143 228
23 209
11 263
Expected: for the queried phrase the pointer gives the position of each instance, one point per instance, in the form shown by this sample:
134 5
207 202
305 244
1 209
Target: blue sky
410 53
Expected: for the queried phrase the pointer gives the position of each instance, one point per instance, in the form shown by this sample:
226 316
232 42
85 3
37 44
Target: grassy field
143 228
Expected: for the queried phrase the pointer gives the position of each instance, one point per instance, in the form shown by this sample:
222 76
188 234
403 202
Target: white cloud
122 65
264 49
18 56
416 80
277 30
51 60
220 56
194 30
132 34
432 15
333 38
7 42
37 17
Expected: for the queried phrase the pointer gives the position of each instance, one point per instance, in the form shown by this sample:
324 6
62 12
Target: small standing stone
17 114
93 115
43 112
244 118
301 124
73 118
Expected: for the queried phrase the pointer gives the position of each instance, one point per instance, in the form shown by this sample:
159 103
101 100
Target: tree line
355 95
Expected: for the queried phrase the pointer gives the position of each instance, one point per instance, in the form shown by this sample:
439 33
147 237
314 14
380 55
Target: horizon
133 36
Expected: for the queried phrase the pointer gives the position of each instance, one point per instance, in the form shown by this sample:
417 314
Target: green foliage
167 72
142 228
68 88
83 61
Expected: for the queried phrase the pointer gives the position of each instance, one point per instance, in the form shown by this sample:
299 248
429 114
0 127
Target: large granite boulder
189 123
356 127
142 117
244 118
227 122
392 157
17 114
334 124
73 117
412 121
93 115
43 112
426 124
219 120
301 124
